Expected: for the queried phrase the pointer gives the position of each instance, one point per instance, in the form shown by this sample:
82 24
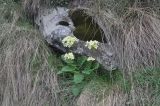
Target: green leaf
70 69
60 72
78 78
76 90
95 66
87 71
88 65
81 60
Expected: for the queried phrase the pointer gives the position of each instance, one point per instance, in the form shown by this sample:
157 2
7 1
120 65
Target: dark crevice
64 23
86 28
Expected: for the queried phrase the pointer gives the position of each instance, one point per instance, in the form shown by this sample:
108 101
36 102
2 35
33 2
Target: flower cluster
90 59
69 41
92 44
69 56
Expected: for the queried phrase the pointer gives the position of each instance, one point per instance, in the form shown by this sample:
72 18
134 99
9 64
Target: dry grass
141 36
135 37
27 80
103 95
25 76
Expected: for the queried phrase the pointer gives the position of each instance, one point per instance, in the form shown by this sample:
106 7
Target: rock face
55 24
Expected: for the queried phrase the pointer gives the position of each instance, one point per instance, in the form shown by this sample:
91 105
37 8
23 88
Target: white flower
69 41
92 44
69 56
90 59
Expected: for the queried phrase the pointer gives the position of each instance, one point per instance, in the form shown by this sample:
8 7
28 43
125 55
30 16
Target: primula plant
80 69
69 41
92 44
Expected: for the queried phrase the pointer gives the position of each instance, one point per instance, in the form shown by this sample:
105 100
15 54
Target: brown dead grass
24 83
141 39
135 39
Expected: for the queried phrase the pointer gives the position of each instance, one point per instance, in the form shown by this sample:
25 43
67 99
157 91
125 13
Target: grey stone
55 24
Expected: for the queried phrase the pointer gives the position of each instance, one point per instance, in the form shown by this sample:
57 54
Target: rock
55 24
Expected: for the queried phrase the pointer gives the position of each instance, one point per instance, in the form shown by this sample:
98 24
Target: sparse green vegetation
79 70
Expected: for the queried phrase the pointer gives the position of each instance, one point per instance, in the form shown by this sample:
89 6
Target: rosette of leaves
80 70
